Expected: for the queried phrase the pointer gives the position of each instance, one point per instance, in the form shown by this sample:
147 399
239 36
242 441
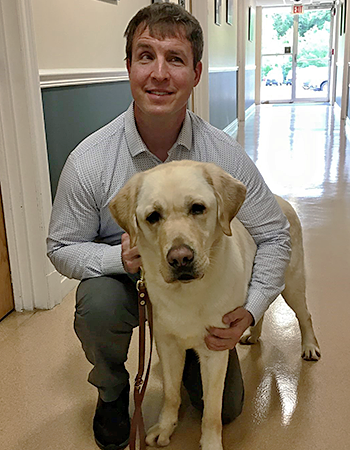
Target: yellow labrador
197 258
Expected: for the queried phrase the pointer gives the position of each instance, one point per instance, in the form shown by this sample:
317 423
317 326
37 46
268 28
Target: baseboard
231 128
250 111
58 287
67 285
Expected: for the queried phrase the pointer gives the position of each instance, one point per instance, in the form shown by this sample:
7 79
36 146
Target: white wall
222 40
73 34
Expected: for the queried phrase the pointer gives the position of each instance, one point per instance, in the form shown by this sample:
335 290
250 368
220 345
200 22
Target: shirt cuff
112 260
257 304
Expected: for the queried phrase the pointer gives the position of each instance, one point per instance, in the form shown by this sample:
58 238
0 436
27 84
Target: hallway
304 155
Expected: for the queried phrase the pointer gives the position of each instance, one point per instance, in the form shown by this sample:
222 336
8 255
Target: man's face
162 75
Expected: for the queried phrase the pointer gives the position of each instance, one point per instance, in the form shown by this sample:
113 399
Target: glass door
313 56
296 55
276 55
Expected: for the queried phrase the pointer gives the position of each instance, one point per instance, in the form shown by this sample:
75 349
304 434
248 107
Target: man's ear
198 72
123 207
229 192
128 65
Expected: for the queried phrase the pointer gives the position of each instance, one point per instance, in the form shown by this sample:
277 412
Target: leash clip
140 284
138 382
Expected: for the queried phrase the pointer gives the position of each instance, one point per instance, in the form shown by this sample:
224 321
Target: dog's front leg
213 370
172 358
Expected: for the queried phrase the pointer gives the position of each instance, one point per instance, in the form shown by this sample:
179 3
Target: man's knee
106 304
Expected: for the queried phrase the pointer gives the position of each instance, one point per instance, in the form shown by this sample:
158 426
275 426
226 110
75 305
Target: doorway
296 55
6 294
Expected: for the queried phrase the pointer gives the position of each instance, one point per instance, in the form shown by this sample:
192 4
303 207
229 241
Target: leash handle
140 384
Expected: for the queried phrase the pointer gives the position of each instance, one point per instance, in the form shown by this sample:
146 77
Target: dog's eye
153 217
197 208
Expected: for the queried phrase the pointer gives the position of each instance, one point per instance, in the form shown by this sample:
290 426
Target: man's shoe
112 423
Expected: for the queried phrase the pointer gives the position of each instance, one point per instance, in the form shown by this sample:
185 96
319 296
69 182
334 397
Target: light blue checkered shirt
84 240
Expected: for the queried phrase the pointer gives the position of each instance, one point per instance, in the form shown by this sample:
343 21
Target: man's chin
162 108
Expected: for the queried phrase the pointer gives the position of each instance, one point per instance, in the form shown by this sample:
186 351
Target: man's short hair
166 20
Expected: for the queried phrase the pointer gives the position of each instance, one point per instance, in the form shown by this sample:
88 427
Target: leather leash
137 423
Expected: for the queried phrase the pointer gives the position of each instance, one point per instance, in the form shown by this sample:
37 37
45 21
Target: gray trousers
106 313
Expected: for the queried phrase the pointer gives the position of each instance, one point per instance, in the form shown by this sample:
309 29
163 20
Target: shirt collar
135 142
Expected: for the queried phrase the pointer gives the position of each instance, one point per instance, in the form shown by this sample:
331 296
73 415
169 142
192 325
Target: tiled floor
303 153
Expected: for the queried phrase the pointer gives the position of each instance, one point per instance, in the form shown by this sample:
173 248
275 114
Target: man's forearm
87 260
267 280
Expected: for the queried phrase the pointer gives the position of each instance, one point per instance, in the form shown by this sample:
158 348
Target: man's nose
160 70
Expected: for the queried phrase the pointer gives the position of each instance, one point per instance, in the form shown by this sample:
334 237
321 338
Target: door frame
24 170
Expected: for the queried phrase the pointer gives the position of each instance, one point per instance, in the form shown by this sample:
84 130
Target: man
164 49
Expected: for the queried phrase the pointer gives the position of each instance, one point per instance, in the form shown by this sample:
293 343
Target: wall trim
71 77
223 69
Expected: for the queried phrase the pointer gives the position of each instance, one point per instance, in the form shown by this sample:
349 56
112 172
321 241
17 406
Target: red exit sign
298 9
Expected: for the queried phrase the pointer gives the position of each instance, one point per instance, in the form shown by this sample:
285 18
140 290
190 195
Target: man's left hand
226 338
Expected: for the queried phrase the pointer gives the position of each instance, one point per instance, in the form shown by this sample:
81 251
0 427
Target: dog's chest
187 317
188 328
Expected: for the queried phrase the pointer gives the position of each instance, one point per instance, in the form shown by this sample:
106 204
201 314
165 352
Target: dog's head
175 213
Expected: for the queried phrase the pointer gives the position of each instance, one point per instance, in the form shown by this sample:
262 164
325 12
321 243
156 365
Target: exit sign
298 9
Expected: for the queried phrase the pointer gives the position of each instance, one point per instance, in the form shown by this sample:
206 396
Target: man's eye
154 217
145 57
197 208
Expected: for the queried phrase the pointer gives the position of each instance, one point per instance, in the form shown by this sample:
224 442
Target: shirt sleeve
74 228
265 221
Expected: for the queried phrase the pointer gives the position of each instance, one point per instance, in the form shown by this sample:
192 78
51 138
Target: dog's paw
211 444
310 352
248 339
159 435
205 447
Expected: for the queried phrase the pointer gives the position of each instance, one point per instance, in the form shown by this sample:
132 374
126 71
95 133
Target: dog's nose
180 256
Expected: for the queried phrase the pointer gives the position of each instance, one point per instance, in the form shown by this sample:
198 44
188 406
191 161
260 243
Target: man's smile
158 93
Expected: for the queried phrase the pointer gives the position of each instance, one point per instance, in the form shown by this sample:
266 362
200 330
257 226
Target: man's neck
159 134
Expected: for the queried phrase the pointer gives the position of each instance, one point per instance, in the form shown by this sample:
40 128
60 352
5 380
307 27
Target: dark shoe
112 423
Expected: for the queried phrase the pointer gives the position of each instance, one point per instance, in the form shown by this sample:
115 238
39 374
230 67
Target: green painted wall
72 113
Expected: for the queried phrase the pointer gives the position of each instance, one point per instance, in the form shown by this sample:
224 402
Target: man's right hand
130 256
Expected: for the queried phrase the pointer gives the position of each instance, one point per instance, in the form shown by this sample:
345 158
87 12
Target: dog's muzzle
181 260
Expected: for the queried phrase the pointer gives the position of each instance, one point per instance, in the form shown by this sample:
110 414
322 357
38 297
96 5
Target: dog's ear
230 194
123 207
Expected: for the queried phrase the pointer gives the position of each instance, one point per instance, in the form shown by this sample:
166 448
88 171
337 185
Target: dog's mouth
185 277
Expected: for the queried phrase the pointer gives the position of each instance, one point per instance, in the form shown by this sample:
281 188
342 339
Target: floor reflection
276 365
285 381
292 161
